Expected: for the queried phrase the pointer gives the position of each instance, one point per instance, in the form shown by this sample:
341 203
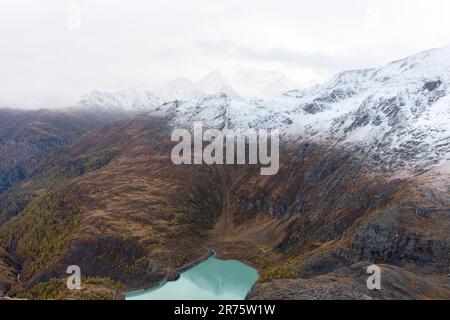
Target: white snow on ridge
248 84
131 101
398 114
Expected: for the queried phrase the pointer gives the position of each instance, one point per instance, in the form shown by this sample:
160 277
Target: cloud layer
46 61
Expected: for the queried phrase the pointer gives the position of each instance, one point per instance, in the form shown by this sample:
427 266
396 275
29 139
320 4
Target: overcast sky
47 61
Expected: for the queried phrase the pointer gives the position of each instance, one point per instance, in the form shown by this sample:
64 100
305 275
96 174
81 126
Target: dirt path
224 226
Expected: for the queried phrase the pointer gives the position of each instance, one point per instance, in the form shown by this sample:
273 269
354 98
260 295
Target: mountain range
363 179
113 106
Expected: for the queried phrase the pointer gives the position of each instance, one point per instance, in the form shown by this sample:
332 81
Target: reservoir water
213 279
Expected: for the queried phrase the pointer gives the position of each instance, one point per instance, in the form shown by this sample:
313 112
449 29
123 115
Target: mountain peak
213 82
213 74
260 83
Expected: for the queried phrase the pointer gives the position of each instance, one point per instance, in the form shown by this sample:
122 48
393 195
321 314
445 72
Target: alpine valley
364 179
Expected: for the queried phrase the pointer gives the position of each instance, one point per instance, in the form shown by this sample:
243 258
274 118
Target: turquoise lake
213 279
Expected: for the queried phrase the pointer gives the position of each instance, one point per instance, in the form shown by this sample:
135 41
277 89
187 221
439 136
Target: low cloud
233 50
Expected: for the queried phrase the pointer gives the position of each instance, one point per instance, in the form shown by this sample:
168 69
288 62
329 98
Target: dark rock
392 238
432 85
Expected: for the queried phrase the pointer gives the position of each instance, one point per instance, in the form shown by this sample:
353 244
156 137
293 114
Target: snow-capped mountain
108 107
116 105
396 116
123 103
132 101
214 82
255 83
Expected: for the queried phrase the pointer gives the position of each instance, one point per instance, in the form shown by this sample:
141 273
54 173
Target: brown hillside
130 215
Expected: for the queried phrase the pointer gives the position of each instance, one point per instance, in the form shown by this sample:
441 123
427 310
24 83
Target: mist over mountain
112 106
397 114
263 84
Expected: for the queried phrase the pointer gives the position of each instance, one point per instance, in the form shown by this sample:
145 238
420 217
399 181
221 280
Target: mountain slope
325 210
350 284
8 272
150 224
28 136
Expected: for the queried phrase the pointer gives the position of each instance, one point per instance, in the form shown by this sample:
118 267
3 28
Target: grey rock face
393 237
